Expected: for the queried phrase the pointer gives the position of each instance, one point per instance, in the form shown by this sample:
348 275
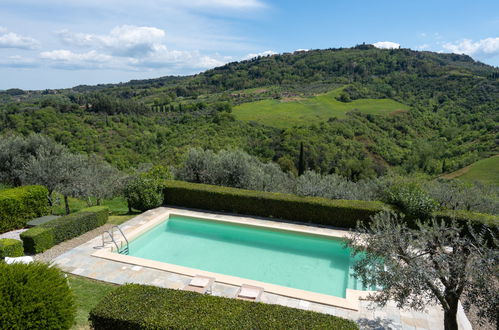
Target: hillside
416 111
295 111
485 171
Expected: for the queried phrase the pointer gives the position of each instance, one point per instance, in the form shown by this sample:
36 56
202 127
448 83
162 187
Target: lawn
485 171
286 113
87 294
117 206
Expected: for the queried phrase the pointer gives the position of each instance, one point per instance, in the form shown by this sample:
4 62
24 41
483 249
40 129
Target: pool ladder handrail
121 250
125 250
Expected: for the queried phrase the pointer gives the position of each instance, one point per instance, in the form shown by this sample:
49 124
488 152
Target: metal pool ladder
120 249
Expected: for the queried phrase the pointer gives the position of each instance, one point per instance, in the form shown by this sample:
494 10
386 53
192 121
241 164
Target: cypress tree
301 161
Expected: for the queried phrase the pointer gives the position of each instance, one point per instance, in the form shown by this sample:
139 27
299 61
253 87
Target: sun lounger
249 292
200 284
21 260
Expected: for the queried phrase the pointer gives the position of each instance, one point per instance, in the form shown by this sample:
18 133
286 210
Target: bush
143 193
476 220
11 248
101 212
43 237
340 213
412 200
37 239
136 306
18 205
34 296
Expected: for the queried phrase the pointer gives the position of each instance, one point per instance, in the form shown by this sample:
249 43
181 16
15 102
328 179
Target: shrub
413 201
143 193
20 204
101 212
43 237
476 220
11 248
340 213
37 239
34 296
136 306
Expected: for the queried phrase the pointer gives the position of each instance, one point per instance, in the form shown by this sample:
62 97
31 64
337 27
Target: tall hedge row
43 237
339 213
18 205
136 306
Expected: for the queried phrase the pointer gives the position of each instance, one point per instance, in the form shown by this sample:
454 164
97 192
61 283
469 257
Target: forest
452 119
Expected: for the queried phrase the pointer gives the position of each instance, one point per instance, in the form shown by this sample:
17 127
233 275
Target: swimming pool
289 259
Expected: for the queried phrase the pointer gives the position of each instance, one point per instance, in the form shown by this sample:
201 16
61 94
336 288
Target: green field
485 171
286 113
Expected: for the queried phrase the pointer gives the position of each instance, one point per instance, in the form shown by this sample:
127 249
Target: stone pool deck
79 261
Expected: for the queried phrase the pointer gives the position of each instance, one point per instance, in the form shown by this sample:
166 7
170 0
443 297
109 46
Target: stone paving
79 261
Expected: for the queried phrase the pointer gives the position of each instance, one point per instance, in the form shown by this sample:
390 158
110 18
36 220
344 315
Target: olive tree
435 263
46 167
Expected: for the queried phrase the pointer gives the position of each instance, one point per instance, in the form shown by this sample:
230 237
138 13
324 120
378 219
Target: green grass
288 113
484 171
87 294
116 205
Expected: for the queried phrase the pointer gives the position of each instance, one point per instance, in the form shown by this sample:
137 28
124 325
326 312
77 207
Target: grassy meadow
285 113
485 171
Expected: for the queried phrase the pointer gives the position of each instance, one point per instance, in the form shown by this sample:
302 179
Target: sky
64 43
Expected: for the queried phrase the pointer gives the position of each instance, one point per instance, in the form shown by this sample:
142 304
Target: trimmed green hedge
476 220
43 237
339 213
18 205
37 239
135 306
11 248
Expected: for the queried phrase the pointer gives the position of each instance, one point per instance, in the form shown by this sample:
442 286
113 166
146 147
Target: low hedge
43 237
135 306
323 211
37 239
35 296
18 205
476 220
11 248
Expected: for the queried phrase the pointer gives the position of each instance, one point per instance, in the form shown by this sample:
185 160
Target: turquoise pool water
293 260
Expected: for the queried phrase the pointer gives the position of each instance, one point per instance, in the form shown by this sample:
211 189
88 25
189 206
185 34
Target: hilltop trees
435 263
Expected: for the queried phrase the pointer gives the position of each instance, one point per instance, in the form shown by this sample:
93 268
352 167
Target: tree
46 168
99 180
144 191
434 263
301 161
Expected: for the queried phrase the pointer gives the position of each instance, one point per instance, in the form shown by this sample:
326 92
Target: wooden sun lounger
249 292
200 284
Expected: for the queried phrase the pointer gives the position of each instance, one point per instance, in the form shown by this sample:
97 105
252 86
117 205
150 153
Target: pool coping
351 301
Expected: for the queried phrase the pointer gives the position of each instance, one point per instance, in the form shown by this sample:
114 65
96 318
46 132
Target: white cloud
19 62
124 40
127 47
488 47
423 47
14 40
264 53
66 59
386 44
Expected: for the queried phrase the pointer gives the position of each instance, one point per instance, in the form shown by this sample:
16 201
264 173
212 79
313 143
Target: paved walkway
79 261
14 234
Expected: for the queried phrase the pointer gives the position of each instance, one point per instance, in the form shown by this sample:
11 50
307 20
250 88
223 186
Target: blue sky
64 43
